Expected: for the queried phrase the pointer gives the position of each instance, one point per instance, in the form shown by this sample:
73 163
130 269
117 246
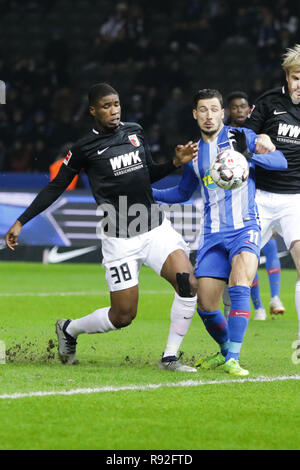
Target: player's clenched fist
11 238
264 144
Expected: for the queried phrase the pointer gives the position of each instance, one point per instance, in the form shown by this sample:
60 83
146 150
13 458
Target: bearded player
230 246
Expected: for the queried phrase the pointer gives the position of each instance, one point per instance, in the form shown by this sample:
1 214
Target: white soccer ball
230 169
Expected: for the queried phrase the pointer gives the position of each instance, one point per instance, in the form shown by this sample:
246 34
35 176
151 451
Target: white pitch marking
186 383
65 294
79 293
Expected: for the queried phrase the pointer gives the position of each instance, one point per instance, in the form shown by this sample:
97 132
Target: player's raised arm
271 161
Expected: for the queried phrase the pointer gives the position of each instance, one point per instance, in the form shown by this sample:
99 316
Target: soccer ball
229 170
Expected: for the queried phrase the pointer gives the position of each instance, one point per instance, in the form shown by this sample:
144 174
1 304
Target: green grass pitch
181 411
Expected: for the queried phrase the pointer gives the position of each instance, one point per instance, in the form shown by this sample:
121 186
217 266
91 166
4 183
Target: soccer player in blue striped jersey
238 110
230 233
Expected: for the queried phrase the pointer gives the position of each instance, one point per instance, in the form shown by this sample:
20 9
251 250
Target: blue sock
238 319
273 266
255 294
216 325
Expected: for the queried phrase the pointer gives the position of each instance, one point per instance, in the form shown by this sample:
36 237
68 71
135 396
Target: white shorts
279 213
123 257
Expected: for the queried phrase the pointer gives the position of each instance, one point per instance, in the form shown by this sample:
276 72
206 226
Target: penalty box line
110 389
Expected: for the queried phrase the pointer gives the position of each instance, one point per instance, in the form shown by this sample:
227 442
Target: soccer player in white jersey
277 113
230 245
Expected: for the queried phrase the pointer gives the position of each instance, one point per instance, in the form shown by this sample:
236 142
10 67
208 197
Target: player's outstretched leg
68 330
260 312
120 314
274 272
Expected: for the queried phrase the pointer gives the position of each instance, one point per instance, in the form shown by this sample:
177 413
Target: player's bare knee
205 304
241 282
123 321
242 278
186 284
123 316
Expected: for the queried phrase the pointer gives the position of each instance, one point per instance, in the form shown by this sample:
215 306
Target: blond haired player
277 113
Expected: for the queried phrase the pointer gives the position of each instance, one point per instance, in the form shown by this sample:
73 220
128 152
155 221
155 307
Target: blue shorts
215 257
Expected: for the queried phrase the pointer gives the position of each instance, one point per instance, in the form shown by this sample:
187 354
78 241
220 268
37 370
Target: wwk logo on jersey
67 157
134 140
288 130
126 163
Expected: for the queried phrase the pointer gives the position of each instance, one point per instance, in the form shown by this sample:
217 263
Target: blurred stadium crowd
156 53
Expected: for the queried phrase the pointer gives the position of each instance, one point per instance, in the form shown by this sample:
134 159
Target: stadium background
50 54
157 54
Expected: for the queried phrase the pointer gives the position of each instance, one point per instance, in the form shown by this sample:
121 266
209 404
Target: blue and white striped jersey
224 210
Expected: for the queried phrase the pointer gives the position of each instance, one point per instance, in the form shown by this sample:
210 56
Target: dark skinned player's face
107 112
238 111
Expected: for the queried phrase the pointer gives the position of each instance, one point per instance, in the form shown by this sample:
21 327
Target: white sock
182 312
96 322
297 303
